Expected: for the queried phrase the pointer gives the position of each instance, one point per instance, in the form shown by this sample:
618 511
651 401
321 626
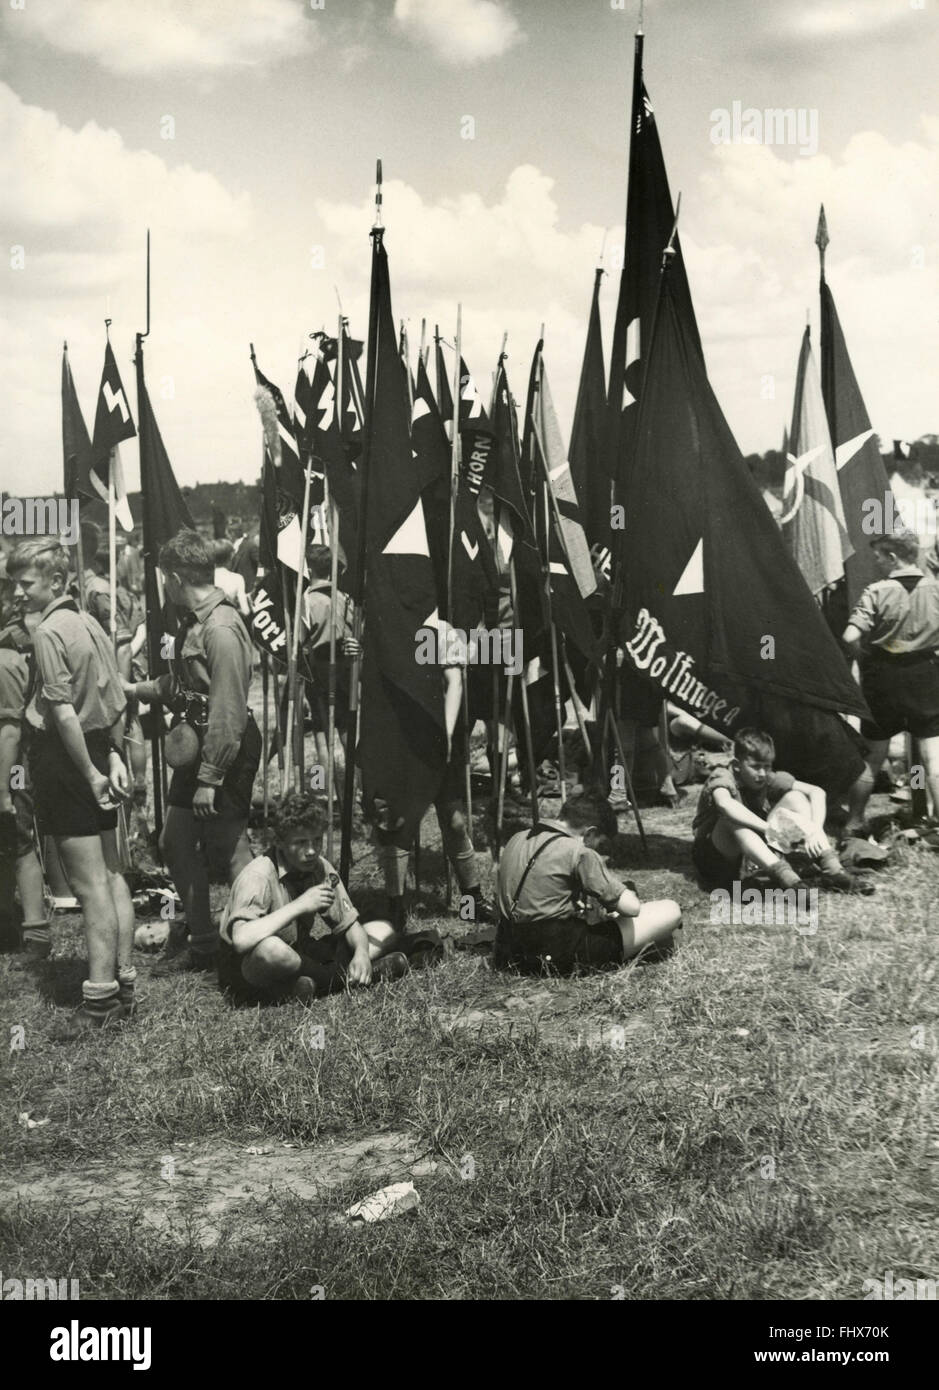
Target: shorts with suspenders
555 945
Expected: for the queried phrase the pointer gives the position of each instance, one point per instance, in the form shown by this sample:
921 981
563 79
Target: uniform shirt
761 803
560 877
317 608
212 656
898 614
75 665
14 683
266 884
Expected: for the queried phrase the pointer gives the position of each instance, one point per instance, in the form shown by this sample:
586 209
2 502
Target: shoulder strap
527 870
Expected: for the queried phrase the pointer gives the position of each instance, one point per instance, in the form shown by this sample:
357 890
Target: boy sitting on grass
268 951
546 877
731 820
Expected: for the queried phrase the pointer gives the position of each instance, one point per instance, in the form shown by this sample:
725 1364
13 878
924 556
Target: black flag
591 479
719 619
650 220
402 747
76 446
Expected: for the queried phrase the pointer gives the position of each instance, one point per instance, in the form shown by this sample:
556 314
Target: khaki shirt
212 657
14 683
266 884
75 665
897 619
560 878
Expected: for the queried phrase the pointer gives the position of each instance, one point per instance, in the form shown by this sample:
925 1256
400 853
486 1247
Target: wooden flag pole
546 571
454 458
630 790
288 734
265 728
333 611
151 583
345 862
275 680
503 764
293 675
112 548
526 718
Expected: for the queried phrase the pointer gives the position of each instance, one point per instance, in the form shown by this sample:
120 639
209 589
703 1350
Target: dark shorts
638 699
557 946
322 959
903 696
233 797
65 803
715 869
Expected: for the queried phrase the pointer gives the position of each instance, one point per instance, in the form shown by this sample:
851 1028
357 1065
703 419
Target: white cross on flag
113 423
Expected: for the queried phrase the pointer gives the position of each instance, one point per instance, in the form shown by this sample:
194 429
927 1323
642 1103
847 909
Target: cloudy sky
245 136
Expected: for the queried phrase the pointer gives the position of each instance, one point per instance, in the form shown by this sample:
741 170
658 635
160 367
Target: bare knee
381 937
270 960
796 801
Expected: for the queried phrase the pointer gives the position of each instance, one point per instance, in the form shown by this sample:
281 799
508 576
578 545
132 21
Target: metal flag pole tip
378 193
821 238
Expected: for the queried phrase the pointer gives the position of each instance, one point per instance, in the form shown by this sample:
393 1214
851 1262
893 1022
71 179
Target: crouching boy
731 821
268 947
547 924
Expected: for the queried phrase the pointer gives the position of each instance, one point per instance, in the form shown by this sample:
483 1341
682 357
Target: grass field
754 1118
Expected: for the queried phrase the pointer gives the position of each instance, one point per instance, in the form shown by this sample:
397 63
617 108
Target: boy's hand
203 803
315 899
360 969
815 843
350 647
101 787
117 776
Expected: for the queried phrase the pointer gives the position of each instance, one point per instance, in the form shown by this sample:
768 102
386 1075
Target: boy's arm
246 935
452 699
851 638
360 966
250 929
70 732
595 878
733 810
9 751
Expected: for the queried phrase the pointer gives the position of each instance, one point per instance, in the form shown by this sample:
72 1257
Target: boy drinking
268 950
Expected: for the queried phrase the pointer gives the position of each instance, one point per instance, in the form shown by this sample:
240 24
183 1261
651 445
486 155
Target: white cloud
459 31
836 21
748 233
226 272
159 35
79 203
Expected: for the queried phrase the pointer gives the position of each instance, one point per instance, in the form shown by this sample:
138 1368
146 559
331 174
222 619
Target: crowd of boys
70 701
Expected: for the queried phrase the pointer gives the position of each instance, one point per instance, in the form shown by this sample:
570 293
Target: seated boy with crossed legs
268 950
